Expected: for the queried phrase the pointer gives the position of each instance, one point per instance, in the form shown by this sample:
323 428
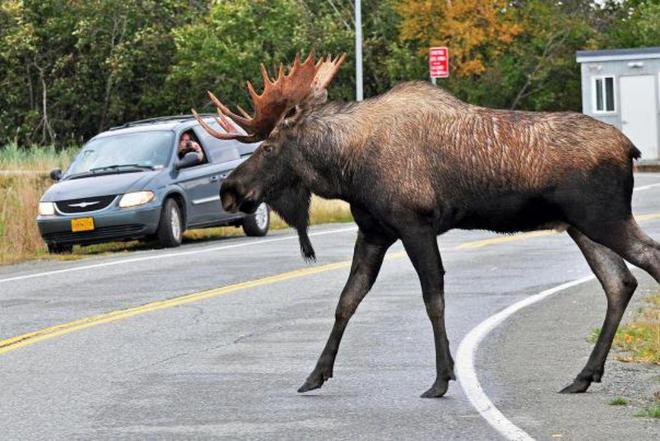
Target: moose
416 162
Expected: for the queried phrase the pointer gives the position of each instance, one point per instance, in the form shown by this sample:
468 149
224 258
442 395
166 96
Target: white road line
467 374
168 255
646 187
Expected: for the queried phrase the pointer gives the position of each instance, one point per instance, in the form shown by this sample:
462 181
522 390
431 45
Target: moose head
274 173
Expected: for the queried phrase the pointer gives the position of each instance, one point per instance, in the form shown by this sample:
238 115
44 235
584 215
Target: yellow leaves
475 31
640 339
473 67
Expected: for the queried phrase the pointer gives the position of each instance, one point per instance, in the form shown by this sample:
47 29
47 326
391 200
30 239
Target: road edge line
173 254
467 350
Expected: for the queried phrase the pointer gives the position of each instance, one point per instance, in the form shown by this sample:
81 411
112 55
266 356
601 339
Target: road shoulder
526 360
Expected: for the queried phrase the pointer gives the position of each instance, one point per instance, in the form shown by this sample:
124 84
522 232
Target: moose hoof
577 387
314 381
438 389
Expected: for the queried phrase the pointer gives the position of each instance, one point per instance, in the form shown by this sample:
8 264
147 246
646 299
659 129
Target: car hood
103 185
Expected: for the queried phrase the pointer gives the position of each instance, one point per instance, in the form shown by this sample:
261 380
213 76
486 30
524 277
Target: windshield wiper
118 166
109 169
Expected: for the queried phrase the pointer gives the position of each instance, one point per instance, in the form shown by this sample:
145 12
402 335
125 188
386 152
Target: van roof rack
158 119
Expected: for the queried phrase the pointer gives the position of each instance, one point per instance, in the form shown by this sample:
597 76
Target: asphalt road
226 364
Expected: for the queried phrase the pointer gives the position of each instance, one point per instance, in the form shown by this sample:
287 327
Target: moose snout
235 197
229 197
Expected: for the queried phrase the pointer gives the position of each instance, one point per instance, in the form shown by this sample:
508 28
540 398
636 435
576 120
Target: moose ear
315 98
292 116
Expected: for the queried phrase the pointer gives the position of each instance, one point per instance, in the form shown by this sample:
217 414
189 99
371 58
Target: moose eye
268 148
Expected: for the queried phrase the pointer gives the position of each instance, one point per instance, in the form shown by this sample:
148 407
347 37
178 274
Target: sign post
438 63
358 50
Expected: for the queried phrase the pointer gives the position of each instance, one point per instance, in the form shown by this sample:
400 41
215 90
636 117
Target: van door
201 184
224 157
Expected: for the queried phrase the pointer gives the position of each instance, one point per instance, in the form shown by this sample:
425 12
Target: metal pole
358 50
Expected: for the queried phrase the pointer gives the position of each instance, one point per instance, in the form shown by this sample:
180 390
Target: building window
604 94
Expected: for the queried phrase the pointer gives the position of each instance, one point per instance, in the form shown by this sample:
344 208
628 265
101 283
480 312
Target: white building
622 87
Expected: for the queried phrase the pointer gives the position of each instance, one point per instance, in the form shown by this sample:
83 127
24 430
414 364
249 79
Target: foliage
476 31
539 72
637 24
224 49
71 68
34 159
649 412
618 401
638 340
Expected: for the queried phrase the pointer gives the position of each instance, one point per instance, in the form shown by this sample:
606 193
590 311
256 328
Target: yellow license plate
82 224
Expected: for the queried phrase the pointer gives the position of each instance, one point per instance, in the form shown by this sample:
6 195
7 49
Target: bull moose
416 162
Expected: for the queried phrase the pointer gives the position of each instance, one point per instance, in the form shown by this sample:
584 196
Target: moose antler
279 96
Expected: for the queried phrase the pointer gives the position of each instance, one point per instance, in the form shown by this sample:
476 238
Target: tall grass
19 196
36 159
23 179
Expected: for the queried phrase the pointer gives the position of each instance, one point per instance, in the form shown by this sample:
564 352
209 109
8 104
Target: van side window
194 145
219 150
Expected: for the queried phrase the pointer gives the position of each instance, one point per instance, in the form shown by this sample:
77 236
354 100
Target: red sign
439 62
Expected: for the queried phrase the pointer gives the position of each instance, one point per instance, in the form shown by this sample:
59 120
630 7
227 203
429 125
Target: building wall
591 69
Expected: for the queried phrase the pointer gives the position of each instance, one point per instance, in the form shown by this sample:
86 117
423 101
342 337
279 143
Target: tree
540 68
476 31
223 50
77 67
636 23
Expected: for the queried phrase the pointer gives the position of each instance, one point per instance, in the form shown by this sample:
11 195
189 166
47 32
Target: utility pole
358 50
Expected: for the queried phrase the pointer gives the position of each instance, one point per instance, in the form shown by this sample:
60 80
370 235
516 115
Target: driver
186 145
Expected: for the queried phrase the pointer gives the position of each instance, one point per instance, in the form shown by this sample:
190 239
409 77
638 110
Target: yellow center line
503 239
31 338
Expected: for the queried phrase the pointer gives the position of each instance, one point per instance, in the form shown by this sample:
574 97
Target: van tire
257 223
170 226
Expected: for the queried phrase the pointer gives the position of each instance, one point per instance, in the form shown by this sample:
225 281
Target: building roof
641 53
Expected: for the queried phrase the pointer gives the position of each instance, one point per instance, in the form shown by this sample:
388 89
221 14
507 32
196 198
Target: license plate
82 224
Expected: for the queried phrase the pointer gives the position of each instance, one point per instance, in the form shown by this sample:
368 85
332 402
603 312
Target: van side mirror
56 174
188 160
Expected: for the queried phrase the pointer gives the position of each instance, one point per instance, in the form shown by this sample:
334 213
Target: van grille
84 205
101 233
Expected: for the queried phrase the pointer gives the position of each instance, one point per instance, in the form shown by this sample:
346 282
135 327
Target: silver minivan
129 183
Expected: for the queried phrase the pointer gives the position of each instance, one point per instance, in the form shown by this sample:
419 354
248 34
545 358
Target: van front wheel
170 228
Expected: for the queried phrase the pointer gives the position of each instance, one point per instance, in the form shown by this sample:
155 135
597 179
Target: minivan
130 183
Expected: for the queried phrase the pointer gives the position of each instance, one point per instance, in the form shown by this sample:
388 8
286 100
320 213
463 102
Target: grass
18 209
618 401
34 159
23 179
650 412
639 339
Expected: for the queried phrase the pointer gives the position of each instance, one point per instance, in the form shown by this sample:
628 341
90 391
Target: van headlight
136 198
46 209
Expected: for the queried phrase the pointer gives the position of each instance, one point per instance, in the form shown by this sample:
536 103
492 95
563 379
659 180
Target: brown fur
416 162
416 131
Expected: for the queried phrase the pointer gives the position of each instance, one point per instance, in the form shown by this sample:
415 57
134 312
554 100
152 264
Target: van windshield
139 151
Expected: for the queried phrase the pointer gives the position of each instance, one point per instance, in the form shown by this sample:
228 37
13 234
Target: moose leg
367 259
619 285
422 249
630 242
